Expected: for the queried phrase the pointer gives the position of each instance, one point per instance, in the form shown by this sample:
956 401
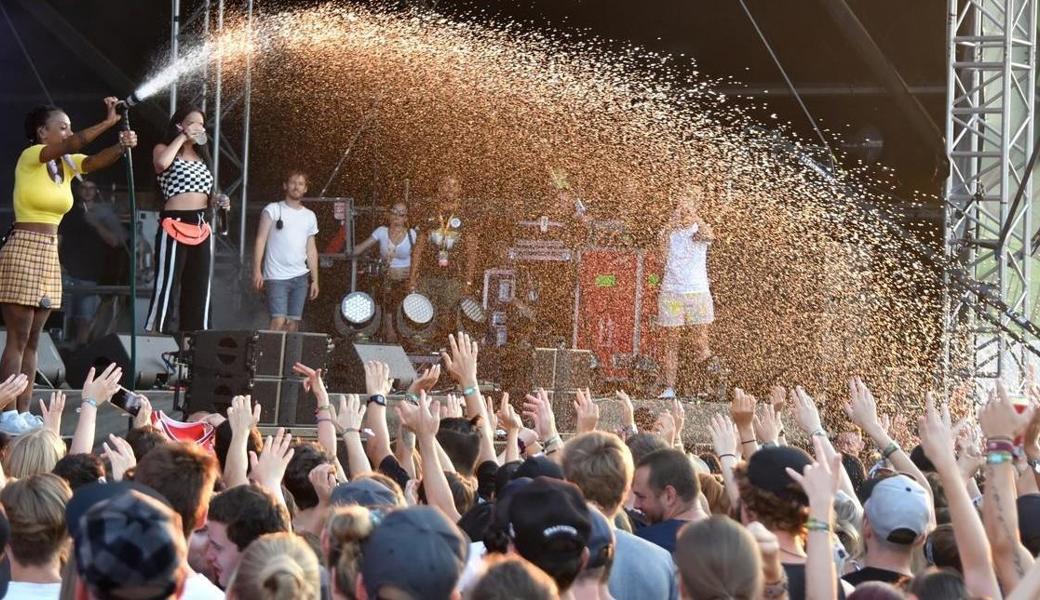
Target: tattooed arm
1000 515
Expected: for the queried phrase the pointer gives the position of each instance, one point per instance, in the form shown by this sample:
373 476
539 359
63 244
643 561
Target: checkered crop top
183 176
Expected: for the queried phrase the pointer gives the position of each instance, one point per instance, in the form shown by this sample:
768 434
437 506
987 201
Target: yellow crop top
37 198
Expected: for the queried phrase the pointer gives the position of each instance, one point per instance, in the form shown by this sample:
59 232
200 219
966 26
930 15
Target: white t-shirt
198 587
19 590
286 253
686 267
400 255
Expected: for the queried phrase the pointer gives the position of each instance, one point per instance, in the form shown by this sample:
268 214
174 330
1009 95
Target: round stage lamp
358 315
472 310
414 318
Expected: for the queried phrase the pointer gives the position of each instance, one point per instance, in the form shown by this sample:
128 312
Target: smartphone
127 401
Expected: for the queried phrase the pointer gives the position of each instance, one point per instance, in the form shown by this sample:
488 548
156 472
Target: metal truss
991 64
191 30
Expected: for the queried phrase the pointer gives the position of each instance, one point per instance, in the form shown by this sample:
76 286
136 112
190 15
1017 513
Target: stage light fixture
357 315
414 318
472 310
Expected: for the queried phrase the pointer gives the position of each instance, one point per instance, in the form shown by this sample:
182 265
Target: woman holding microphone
184 240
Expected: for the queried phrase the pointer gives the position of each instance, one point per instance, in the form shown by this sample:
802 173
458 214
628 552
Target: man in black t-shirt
896 518
89 233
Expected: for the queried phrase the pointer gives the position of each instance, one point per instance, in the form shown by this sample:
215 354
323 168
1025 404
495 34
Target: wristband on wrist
819 432
352 430
323 408
378 399
725 454
814 524
998 458
769 444
777 590
470 390
889 450
89 401
748 442
1000 445
323 420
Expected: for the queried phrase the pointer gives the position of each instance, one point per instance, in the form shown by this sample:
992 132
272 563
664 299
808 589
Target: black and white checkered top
183 176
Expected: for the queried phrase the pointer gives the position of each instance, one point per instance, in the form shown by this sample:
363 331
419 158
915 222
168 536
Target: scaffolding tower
989 142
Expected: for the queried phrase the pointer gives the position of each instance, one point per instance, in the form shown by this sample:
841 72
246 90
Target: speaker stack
225 364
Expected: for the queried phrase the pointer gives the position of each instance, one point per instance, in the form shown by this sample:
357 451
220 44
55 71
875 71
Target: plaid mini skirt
30 273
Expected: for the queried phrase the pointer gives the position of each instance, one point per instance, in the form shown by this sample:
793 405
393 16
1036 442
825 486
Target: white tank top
686 266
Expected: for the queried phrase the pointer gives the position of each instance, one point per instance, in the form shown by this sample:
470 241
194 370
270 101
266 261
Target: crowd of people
482 499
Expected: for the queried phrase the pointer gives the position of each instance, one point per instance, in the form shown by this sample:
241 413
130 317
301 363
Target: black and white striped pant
182 279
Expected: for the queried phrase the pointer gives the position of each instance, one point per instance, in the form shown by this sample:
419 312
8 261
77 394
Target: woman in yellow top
30 275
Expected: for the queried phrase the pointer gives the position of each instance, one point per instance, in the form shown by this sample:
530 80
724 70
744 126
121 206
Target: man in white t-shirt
685 302
286 257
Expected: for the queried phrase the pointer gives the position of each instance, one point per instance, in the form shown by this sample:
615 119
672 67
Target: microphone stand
130 380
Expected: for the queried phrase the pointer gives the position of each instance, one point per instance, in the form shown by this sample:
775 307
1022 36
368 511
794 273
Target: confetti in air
811 283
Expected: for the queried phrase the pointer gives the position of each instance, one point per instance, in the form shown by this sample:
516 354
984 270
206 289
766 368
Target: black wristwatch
378 399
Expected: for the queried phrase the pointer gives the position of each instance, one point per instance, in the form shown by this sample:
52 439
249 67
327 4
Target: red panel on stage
653 271
606 311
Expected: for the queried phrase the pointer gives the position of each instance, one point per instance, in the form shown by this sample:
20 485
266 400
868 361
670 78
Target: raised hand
742 408
678 412
862 408
767 424
819 480
507 417
452 407
628 412
313 382
723 435
102 388
539 410
1000 418
492 417
11 388
805 411
936 434
377 378
461 361
52 414
778 398
143 418
242 415
323 479
586 410
268 469
426 380
664 426
351 414
120 454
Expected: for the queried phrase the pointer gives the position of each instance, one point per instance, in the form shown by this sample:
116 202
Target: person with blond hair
35 508
600 464
346 530
277 566
34 452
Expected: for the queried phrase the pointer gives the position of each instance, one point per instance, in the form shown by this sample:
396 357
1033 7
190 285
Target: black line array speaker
225 364
348 376
152 369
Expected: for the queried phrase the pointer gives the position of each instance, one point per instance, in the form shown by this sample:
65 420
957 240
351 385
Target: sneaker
667 394
12 423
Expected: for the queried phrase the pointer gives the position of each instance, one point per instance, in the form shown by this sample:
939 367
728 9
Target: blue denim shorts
286 297
80 306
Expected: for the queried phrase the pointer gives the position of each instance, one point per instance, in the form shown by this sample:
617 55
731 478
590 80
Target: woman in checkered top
30 275
184 241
